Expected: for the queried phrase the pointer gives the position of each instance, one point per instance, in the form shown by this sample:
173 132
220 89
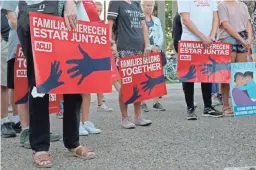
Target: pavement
170 143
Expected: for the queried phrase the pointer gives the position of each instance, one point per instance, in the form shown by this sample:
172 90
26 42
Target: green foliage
168 23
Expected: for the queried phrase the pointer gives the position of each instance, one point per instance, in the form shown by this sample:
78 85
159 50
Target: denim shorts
237 46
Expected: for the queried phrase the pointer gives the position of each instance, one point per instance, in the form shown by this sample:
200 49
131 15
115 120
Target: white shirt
201 14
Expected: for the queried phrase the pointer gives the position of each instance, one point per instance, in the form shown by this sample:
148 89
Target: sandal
227 112
82 152
42 161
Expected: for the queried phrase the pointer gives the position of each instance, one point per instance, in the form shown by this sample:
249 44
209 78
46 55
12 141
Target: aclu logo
185 57
43 46
21 73
127 80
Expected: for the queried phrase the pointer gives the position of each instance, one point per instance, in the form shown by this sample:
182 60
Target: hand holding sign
214 67
151 83
87 65
190 74
53 79
134 96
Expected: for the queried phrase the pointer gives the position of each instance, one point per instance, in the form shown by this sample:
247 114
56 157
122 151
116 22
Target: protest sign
20 77
68 62
115 73
243 88
21 89
142 78
199 64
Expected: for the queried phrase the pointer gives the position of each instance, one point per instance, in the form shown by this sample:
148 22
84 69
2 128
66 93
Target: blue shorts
237 46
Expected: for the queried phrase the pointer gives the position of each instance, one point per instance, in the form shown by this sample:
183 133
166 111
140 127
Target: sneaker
158 106
104 108
16 127
7 130
195 105
211 112
191 114
54 137
90 128
142 122
59 115
144 107
24 139
82 131
127 124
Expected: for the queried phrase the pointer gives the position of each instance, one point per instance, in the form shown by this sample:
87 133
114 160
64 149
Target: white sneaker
82 130
104 108
90 127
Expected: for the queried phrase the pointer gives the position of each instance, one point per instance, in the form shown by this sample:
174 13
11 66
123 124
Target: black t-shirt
176 31
127 18
5 28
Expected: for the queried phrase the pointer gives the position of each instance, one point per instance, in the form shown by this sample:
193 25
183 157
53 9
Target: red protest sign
115 73
20 77
21 83
54 103
70 61
198 64
142 78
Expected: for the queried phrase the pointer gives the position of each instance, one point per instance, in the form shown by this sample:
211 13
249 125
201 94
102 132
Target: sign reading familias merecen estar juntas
199 64
66 62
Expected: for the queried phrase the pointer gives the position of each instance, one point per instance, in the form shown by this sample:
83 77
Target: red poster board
198 64
68 62
142 78
115 73
21 83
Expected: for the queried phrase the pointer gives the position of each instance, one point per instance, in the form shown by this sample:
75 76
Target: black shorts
10 73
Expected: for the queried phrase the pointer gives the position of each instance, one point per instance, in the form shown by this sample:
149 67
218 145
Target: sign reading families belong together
141 78
70 61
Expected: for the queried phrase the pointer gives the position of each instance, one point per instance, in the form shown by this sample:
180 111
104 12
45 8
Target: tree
168 24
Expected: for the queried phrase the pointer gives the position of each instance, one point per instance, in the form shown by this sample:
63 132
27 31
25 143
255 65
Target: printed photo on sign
21 90
243 88
76 61
199 64
142 78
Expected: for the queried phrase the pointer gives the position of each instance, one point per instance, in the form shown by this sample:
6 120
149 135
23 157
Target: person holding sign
236 29
21 106
156 39
132 39
200 23
39 103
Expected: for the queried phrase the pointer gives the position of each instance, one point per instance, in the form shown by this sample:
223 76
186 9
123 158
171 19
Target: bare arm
110 23
12 18
249 33
185 17
145 33
231 31
215 25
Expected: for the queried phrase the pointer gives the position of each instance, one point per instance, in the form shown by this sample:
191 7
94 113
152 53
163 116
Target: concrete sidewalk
170 143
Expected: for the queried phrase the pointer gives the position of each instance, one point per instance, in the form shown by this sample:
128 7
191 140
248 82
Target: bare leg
14 106
225 88
123 107
85 107
137 110
24 115
100 99
241 57
117 86
4 102
156 100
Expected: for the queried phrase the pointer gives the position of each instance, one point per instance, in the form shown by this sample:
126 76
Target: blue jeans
215 88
